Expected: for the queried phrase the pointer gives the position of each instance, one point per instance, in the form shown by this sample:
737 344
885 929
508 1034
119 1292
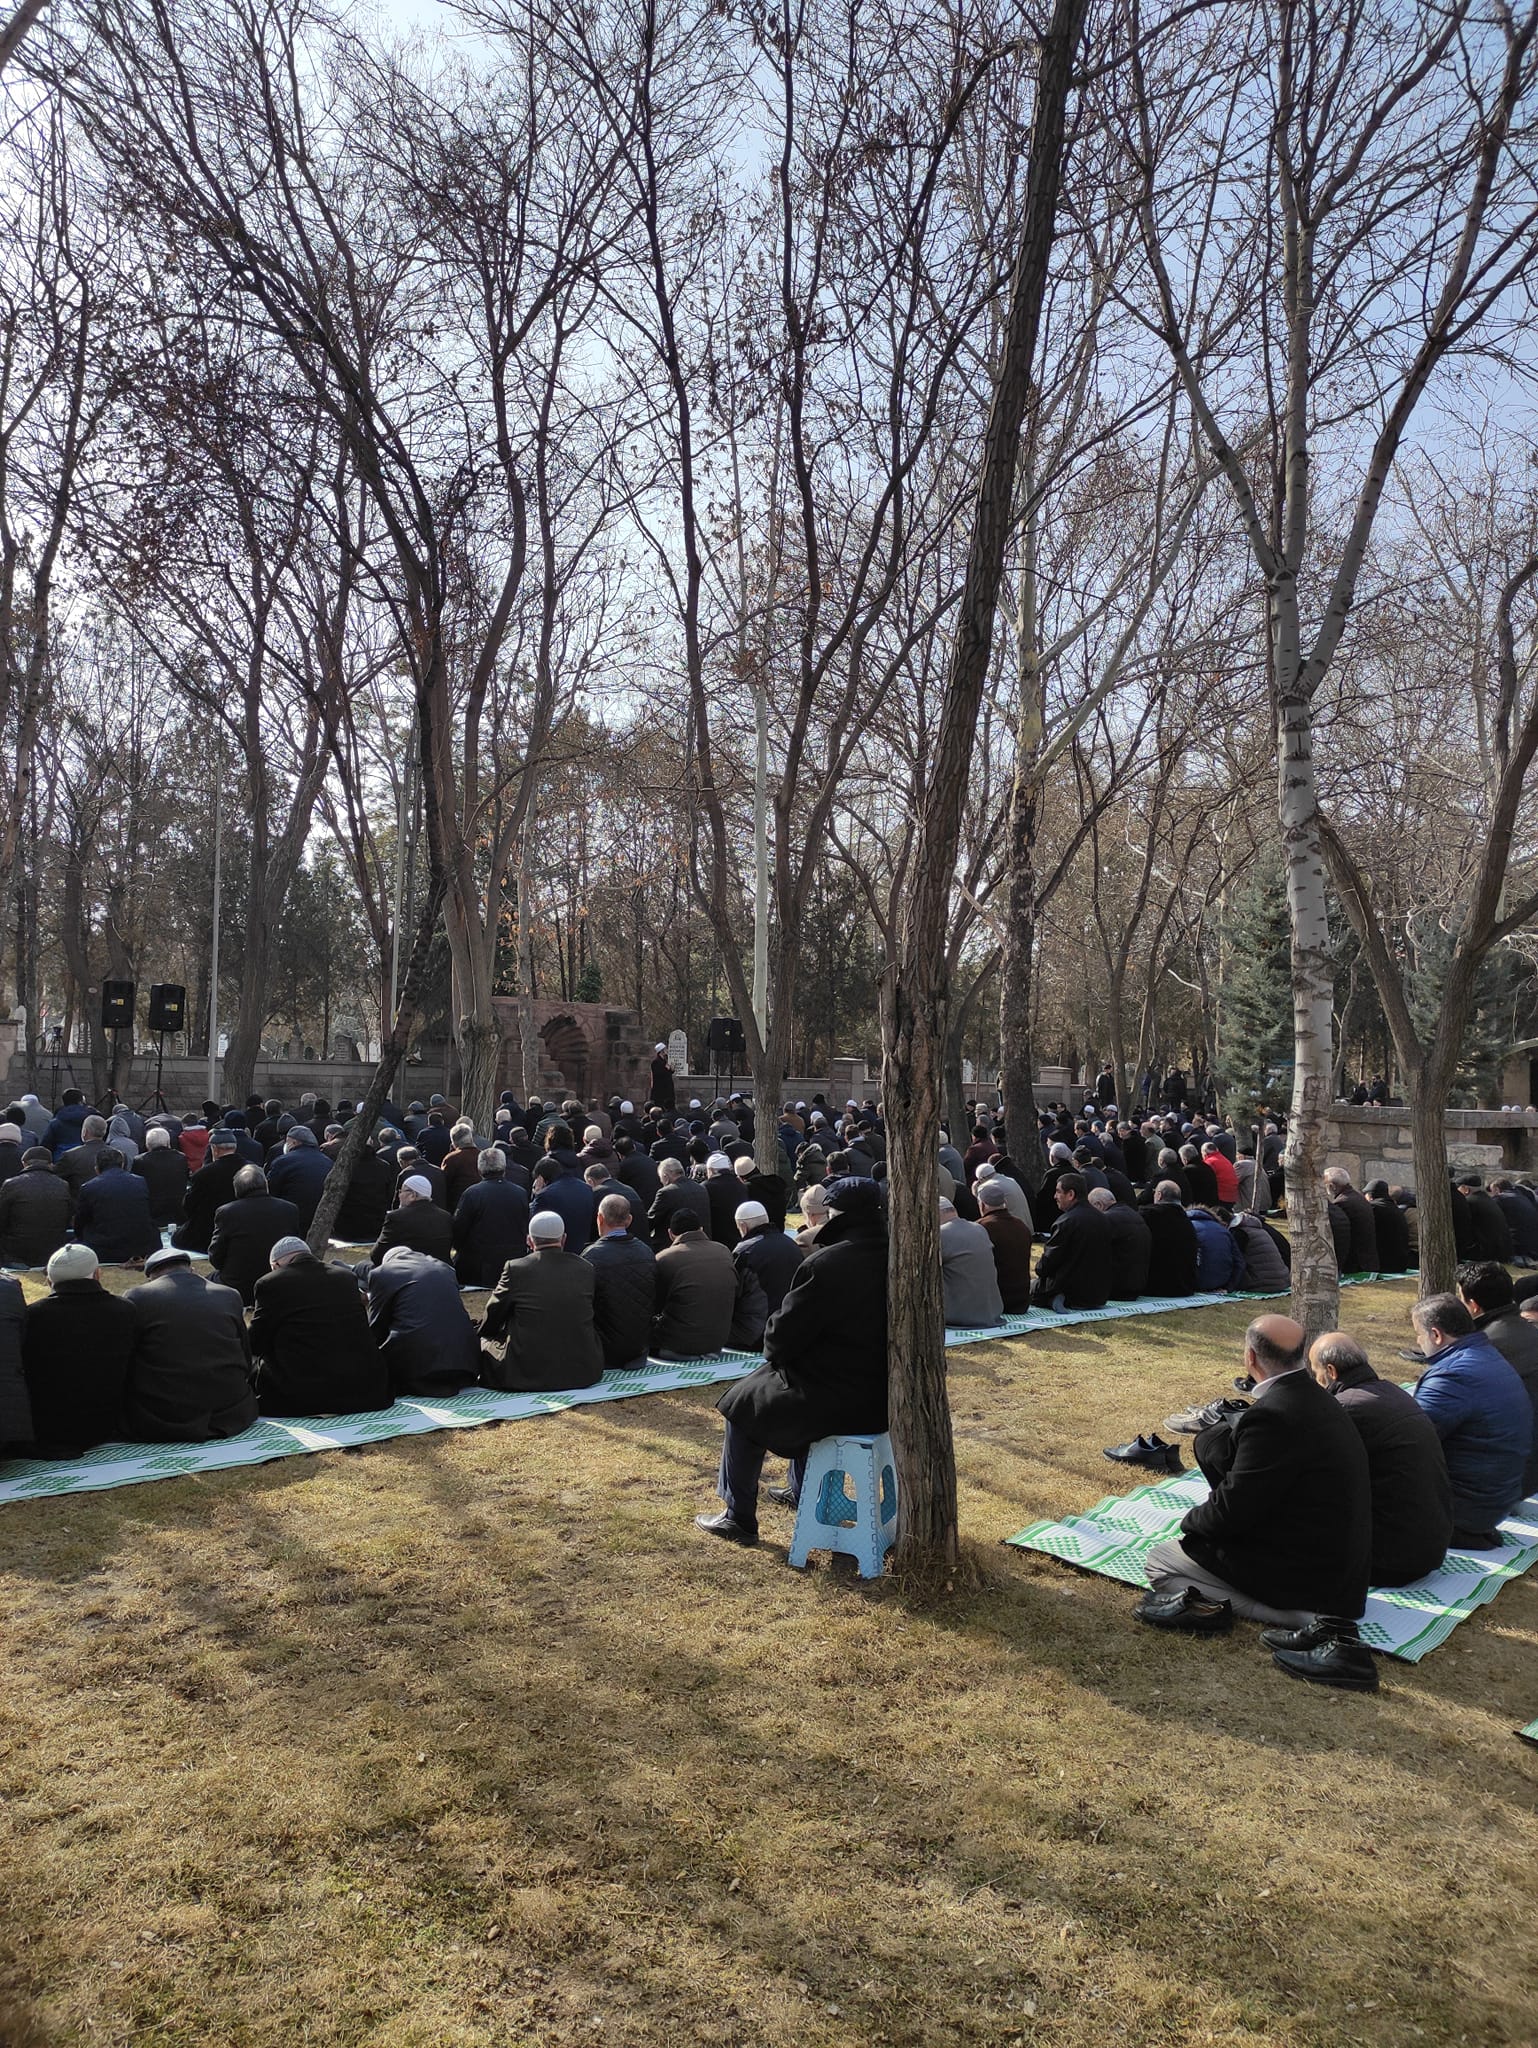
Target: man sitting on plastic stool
825 1365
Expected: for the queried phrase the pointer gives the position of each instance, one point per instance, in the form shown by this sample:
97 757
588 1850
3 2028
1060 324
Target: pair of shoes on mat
1147 1450
729 1531
1192 1421
1329 1651
1187 1611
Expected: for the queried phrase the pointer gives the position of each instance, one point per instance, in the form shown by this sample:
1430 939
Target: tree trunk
1433 1192
768 1072
251 1009
1017 1051
955 1085
479 1041
1315 1281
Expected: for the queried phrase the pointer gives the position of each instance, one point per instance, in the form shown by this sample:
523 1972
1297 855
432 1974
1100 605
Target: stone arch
567 1044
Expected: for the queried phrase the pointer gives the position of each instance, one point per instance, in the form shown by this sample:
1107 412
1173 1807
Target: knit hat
72 1262
286 1248
547 1227
751 1213
417 1184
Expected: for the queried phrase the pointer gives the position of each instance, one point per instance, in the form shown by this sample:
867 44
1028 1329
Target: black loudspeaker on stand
168 1012
725 1035
117 1015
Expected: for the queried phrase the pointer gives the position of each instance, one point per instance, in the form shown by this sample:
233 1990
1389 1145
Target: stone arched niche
567 1045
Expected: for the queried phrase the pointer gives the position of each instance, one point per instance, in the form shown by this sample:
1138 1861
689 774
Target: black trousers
742 1464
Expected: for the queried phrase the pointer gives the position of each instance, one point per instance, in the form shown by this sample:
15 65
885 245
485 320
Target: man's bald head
1334 1353
1273 1344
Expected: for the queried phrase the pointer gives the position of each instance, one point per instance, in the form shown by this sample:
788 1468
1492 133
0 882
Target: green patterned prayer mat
130 1464
1117 1533
1530 1733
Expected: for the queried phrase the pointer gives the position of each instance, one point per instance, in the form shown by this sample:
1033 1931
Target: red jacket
1225 1176
194 1148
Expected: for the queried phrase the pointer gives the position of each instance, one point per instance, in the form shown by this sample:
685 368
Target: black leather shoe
1186 1611
1244 1384
1346 1665
781 1496
1147 1450
723 1526
1324 1628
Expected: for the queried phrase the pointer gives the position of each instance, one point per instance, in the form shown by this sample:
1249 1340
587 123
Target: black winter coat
367 1202
542 1313
825 1352
15 1410
422 1226
1175 1256
775 1259
1131 1251
191 1378
1076 1261
315 1353
77 1350
245 1232
207 1192
491 1226
35 1208
1393 1237
164 1173
1412 1497
625 1268
1362 1253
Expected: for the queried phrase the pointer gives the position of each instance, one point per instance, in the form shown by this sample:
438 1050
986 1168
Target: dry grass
469 1739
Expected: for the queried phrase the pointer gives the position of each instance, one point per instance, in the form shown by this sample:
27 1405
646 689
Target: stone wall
1374 1144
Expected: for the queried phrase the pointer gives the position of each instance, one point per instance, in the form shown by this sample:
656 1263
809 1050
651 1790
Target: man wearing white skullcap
419 1222
662 1079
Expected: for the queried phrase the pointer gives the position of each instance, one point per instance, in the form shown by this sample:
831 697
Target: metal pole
761 864
213 966
400 877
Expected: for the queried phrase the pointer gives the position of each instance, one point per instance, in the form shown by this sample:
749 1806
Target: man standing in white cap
662 1079
418 1222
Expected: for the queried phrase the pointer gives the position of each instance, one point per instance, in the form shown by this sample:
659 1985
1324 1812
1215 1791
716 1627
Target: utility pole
761 861
213 964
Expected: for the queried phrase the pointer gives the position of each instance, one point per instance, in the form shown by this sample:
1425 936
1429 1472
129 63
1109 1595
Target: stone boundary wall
1374 1144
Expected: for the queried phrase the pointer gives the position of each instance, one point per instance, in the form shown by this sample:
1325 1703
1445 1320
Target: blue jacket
298 1177
64 1131
113 1217
1219 1261
574 1202
1480 1409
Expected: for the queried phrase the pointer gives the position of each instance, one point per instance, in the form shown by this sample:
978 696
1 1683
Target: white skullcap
986 1170
695 1103
751 1213
990 1197
72 1262
286 1248
416 1184
592 1133
718 1163
660 1046
546 1226
10 1134
627 1109
1060 1155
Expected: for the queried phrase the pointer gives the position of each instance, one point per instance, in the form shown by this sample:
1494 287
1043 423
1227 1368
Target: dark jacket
638 1172
774 1257
696 1297
367 1202
723 1194
684 1194
207 1192
1521 1214
64 1129
1011 1240
490 1226
191 1378
1265 1268
1412 1498
1131 1245
77 1349
624 1298
298 1177
428 1343
1393 1236
1172 1262
315 1353
540 1325
1289 1519
767 1188
1219 1261
422 1226
245 1231
1481 1411
164 1173
1362 1257
825 1352
1492 1233
16 1428
113 1217
575 1203
35 1208
1076 1260
1516 1339
423 1169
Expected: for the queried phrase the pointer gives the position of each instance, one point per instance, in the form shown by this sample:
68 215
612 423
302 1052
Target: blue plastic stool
863 1528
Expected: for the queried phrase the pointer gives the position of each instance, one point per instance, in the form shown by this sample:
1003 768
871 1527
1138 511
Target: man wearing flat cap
825 1361
315 1353
191 1377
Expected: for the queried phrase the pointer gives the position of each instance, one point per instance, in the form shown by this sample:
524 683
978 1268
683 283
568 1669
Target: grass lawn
471 1739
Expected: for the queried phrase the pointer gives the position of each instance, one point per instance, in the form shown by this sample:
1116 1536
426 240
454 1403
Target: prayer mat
1116 1534
1530 1733
130 1464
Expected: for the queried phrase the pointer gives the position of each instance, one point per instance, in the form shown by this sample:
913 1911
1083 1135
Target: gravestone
678 1052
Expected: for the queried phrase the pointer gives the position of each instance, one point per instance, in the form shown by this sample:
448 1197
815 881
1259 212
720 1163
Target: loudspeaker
168 1006
117 1005
725 1035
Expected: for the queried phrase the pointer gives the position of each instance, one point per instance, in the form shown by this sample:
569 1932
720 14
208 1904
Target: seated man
677 1191
1131 1245
1357 1251
1074 1270
566 1194
768 1189
1219 1261
1011 1241
491 1223
825 1361
625 1291
163 1169
16 1428
1390 1229
315 1353
698 1290
814 1214
1285 1537
1016 1201
409 1162
208 1190
245 1231
368 1200
968 1274
1412 1498
77 1352
299 1173
1480 1409
1487 1220
112 1212
419 1224
774 1257
79 1163
1487 1293
538 1331
426 1340
35 1208
191 1377
1263 1253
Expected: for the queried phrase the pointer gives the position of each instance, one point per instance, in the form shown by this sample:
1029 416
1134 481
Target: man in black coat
1389 1228
662 1090
1361 1255
1412 1496
16 1431
35 1208
368 1200
13 1142
825 1361
77 1352
637 1170
299 1173
112 1214
162 1167
78 1164
408 1162
245 1231
1131 1245
1285 1536
491 1224
418 1223
1492 1233
762 1245
1074 1270
765 1188
191 1378
315 1353
625 1296
677 1192
721 1192
207 1192
538 1333
428 1343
